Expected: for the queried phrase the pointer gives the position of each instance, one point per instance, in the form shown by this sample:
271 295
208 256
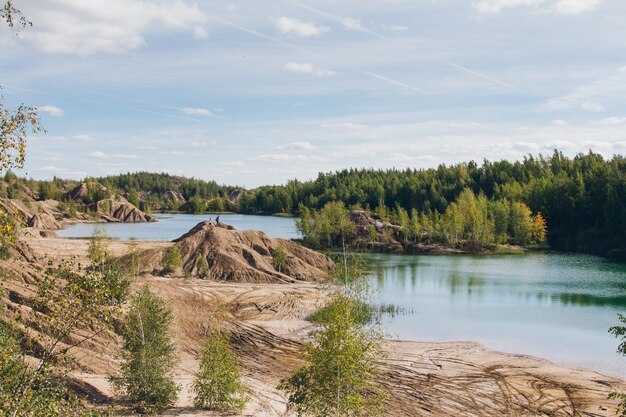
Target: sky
260 92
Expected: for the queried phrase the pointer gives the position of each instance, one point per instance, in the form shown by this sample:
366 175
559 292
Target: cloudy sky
259 92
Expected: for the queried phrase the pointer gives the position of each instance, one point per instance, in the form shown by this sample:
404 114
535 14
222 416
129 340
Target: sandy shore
424 379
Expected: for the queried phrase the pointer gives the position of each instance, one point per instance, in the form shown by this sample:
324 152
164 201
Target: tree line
471 221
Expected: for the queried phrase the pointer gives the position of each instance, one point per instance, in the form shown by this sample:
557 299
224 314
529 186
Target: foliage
15 125
172 259
620 332
279 258
202 266
133 261
13 16
149 355
8 233
340 377
217 384
72 307
330 227
98 249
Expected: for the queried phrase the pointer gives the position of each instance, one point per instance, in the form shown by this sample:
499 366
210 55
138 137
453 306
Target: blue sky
260 92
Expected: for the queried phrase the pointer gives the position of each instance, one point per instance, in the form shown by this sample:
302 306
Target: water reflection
556 306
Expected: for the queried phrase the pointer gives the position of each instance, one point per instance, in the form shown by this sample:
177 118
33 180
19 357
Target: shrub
217 384
202 266
146 375
172 259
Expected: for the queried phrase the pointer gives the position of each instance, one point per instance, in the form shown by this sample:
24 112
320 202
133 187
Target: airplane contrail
374 75
364 29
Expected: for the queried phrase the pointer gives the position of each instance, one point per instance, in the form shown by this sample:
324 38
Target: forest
582 199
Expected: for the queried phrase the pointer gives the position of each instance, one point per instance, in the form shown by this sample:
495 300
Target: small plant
98 250
279 258
620 333
217 384
8 234
172 259
133 261
202 266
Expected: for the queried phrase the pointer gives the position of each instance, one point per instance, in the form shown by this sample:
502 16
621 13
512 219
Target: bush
98 250
172 259
217 384
279 258
202 266
146 375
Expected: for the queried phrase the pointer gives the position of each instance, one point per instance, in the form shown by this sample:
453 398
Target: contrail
318 56
362 28
86 100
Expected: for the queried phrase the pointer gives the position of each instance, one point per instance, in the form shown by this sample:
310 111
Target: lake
555 306
171 226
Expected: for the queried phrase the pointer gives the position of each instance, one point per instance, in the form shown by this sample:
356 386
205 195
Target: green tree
172 259
279 258
98 249
620 332
341 375
217 384
148 360
520 223
73 308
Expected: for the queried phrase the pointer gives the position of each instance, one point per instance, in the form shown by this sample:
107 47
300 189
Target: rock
81 191
120 210
39 215
235 194
174 196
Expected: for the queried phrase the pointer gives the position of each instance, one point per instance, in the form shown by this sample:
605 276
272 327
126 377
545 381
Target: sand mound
120 210
243 256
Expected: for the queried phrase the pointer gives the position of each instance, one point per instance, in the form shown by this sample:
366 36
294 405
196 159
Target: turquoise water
171 226
551 305
555 306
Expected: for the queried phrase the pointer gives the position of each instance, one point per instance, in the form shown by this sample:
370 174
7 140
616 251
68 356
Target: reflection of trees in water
460 283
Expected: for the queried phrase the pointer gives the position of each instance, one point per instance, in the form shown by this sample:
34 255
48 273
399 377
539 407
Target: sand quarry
267 321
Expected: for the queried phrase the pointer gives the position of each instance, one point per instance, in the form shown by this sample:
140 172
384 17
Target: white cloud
200 33
301 146
103 155
551 6
52 110
178 153
343 126
352 24
233 164
300 28
559 122
304 68
613 121
592 106
83 138
283 157
197 111
111 26
575 6
202 144
399 28
496 6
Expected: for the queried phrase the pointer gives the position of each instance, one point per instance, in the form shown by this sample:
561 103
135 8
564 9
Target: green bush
149 358
172 259
217 384
202 266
